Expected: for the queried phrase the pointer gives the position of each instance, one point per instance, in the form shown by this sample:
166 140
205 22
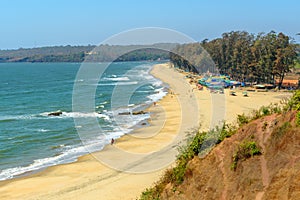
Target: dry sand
151 149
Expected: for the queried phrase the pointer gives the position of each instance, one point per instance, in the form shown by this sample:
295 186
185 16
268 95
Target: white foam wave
119 83
43 130
84 115
76 115
125 78
160 93
68 156
15 117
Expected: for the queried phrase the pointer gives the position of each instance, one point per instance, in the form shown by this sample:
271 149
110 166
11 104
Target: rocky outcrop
133 113
57 113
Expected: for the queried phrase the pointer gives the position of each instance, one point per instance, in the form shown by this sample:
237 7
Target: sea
32 140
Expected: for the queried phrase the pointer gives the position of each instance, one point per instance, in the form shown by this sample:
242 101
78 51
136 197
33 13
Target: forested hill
79 53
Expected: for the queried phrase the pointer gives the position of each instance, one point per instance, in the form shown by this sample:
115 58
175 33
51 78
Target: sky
33 23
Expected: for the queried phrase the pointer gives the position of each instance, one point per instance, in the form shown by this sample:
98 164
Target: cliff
258 160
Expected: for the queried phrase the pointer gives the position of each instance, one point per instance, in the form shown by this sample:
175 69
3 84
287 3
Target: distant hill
258 160
103 53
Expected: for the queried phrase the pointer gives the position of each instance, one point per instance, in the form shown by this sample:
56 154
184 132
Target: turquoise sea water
31 140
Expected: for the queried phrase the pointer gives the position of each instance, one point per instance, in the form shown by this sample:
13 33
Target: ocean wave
43 130
124 124
76 115
124 78
68 156
160 93
104 102
8 118
119 83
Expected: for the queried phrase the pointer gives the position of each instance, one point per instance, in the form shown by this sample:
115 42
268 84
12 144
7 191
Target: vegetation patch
298 118
294 102
263 111
245 150
200 142
197 143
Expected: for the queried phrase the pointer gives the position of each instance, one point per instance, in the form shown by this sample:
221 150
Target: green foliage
242 56
200 142
242 119
298 118
150 194
197 143
293 103
226 131
295 100
192 57
103 53
245 150
265 111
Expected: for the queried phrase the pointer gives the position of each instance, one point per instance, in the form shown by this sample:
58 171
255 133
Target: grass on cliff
200 143
246 149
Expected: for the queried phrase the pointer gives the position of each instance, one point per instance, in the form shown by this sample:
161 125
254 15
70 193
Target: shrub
265 111
225 131
245 150
294 102
298 118
242 119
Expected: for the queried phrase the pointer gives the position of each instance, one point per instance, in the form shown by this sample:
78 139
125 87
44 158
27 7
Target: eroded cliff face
275 174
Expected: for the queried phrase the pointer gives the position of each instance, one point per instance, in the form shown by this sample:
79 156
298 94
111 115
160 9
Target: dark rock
139 113
57 113
124 113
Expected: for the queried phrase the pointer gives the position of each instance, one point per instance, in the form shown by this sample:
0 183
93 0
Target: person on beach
112 141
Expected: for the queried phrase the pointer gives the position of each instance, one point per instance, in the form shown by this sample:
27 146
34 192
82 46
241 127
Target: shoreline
88 178
143 107
17 188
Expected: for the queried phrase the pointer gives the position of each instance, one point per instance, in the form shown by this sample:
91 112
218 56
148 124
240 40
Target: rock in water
57 113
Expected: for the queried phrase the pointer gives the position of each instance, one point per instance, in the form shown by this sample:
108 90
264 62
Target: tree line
92 53
245 57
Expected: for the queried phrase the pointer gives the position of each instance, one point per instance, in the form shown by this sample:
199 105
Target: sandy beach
137 160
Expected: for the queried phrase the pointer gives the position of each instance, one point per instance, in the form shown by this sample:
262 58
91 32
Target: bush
245 150
298 118
265 111
242 119
225 131
294 102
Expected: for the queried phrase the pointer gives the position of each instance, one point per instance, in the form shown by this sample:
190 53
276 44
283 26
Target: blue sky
33 23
